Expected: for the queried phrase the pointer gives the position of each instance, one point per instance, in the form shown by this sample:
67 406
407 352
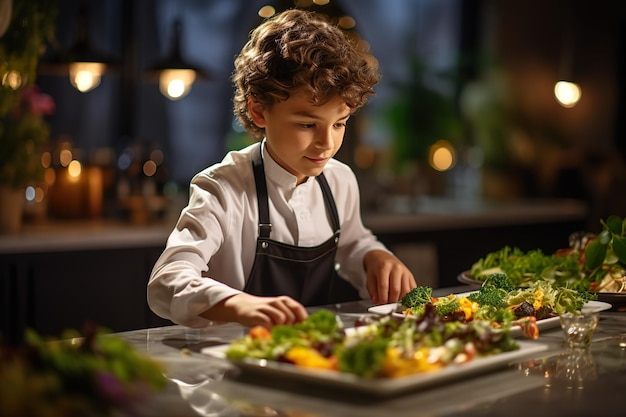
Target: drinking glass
578 328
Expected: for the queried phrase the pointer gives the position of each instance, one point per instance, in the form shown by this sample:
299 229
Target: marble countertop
551 383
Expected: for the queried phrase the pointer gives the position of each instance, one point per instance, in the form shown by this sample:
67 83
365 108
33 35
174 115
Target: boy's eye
307 125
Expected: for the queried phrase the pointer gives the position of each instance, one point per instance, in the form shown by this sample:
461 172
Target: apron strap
330 201
265 227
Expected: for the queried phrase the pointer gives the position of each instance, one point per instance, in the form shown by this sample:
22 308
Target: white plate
382 386
551 323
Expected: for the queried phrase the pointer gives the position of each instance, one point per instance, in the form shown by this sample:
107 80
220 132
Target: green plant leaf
619 248
595 252
605 237
615 225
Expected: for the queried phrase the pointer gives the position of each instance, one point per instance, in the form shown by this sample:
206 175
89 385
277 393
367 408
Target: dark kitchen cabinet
50 291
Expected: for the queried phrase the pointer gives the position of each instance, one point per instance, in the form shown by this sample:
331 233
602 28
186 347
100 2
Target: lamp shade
175 75
84 64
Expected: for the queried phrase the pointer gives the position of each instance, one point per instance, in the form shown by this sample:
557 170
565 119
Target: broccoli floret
418 310
418 295
323 320
489 295
446 305
500 280
282 333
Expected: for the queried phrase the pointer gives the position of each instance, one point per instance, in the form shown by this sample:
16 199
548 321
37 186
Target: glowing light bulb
85 76
568 94
176 83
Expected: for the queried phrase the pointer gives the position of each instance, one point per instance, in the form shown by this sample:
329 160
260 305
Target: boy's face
302 137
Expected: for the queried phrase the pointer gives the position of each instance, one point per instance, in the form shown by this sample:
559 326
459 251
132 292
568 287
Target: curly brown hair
295 50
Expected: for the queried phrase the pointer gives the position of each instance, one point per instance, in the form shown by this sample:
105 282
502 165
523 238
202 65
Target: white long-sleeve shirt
210 252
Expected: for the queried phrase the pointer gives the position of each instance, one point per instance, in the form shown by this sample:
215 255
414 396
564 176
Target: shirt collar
278 174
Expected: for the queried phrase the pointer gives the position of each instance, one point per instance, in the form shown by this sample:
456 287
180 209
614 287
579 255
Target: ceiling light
84 65
174 74
567 93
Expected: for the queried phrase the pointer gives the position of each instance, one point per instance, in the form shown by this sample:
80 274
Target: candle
77 192
94 191
66 195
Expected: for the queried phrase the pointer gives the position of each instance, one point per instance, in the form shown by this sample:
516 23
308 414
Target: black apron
306 274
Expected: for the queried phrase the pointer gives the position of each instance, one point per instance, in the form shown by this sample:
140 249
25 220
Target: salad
500 303
592 262
378 347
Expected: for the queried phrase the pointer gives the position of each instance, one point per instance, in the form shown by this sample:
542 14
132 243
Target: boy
276 226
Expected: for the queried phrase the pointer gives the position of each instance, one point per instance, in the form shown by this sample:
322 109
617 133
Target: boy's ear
256 112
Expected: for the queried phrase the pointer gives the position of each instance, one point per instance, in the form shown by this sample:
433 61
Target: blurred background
495 123
466 106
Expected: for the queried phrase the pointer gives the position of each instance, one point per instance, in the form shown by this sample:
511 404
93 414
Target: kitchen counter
435 213
544 384
80 235
424 215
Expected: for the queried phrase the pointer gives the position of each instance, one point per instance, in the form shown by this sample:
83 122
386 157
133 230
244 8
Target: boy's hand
251 310
388 279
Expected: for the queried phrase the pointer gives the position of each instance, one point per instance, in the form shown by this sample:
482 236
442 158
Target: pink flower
38 103
111 388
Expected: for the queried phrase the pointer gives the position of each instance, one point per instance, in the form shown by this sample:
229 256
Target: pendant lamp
84 65
174 74
567 92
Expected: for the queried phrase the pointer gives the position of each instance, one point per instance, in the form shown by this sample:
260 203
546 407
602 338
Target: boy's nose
325 139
